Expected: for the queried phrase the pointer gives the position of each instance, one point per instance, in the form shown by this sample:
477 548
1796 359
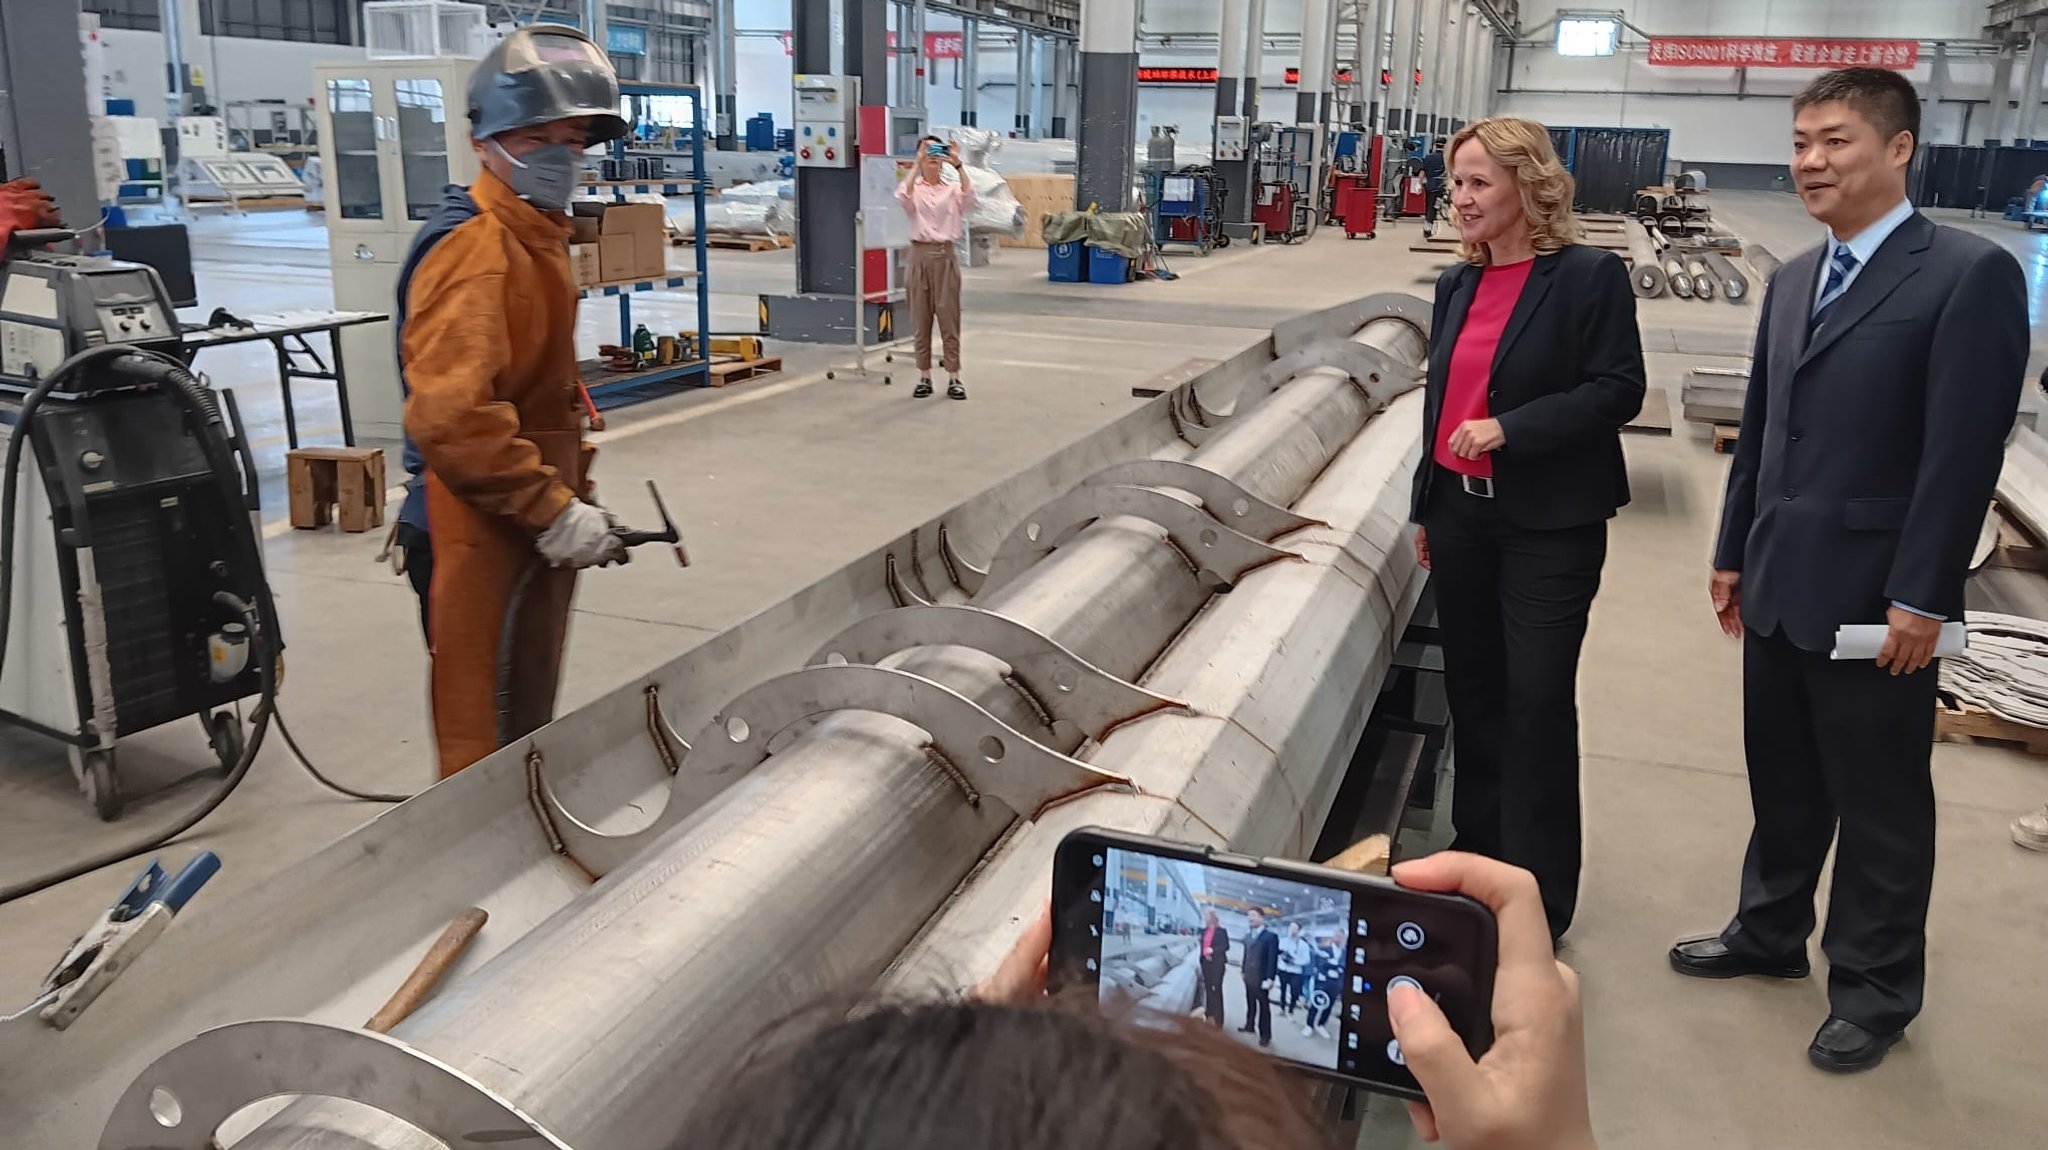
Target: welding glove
581 536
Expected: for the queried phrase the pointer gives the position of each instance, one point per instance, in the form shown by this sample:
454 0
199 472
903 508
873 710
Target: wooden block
1725 438
1373 854
307 511
351 478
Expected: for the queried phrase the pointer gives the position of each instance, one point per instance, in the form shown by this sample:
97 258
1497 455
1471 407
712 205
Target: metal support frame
1221 555
985 755
1072 689
182 1099
1224 498
1379 375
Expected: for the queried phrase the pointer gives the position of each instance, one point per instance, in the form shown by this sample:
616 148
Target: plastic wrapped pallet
734 218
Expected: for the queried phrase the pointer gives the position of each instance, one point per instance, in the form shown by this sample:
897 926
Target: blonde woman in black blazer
1535 364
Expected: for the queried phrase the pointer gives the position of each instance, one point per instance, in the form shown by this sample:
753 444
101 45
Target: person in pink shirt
938 211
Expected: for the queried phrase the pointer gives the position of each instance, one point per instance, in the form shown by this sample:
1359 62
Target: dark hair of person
1883 97
992 1076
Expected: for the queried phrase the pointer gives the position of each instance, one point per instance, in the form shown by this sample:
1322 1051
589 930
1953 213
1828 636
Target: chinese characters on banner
1738 52
937 45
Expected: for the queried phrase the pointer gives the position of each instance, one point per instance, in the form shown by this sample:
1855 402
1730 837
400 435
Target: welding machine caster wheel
102 786
224 735
829 375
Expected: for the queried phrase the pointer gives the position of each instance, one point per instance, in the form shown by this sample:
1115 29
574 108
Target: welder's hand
581 536
25 206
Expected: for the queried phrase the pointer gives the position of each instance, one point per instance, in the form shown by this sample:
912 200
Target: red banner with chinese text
1743 52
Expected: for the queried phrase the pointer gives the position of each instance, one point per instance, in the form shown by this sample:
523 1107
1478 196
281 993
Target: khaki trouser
935 291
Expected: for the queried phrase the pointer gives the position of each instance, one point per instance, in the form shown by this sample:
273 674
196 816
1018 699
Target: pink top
935 210
1472 361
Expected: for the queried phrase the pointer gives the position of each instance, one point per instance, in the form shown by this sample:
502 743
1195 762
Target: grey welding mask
541 74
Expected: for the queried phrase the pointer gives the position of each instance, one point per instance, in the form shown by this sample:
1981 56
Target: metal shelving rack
609 383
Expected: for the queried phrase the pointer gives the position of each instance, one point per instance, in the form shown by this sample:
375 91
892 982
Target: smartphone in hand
1292 958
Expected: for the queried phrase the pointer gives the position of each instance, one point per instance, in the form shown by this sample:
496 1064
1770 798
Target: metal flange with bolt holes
1226 499
1214 549
1070 687
180 1102
735 741
1345 320
1379 375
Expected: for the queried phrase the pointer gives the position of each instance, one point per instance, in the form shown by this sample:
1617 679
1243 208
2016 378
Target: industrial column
44 130
1230 145
1459 115
1439 35
1062 87
1326 81
1027 83
1254 61
1109 105
2030 90
970 82
833 39
1315 58
180 22
726 59
2001 93
1380 28
1407 58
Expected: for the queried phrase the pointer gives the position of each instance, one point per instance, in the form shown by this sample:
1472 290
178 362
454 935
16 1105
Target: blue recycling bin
1106 267
1064 263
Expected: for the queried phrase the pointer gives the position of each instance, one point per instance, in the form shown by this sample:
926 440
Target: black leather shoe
1711 958
1843 1047
956 390
923 390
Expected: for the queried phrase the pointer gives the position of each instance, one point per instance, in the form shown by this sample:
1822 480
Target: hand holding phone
1529 1089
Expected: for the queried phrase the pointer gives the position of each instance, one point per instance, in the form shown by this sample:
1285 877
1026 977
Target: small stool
351 478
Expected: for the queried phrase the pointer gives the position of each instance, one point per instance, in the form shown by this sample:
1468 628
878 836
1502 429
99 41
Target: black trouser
419 571
1290 989
1211 994
1511 608
1839 752
1258 1010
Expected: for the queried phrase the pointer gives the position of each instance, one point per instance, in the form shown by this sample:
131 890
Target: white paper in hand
1865 640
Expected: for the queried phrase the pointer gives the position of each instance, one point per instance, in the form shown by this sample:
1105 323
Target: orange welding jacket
488 352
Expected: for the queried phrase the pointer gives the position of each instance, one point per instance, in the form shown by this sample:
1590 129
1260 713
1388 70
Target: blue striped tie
1839 267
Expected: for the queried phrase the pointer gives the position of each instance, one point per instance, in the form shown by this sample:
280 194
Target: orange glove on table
25 206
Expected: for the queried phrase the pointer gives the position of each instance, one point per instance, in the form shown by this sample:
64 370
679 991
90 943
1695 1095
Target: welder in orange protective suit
496 500
24 206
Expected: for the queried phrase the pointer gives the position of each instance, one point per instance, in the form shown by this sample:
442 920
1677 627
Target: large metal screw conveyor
1177 625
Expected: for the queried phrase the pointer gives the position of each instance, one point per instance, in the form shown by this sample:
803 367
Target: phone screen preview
1297 969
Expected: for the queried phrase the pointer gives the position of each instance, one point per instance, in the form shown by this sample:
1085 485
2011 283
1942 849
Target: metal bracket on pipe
1223 498
1209 545
1071 687
902 593
996 758
1344 320
1379 375
184 1096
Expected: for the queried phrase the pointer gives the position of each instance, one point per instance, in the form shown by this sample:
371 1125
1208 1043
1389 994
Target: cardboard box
585 264
583 229
638 231
615 258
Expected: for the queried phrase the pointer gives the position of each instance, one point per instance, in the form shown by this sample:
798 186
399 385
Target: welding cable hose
197 402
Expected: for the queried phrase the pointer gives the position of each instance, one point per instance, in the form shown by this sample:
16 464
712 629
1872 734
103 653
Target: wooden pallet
2015 547
744 243
1725 438
1966 721
725 373
329 483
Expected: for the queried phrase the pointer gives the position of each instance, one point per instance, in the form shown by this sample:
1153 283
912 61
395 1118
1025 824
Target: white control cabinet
393 134
827 120
1232 134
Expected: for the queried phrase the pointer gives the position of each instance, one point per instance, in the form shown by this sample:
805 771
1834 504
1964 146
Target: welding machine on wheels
132 590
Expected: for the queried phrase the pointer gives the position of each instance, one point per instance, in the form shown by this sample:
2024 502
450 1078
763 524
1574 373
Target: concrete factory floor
780 482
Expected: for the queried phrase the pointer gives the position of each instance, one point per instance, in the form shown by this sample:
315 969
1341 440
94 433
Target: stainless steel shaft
1646 271
810 874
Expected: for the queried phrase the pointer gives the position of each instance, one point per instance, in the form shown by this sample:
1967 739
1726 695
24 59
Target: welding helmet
541 74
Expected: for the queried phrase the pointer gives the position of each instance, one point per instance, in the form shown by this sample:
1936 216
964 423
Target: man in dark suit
1887 371
1261 965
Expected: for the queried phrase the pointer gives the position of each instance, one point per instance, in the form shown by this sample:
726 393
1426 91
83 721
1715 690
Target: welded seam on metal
1021 772
966 576
665 738
1209 544
180 1101
542 802
917 569
945 766
1068 686
899 591
1222 497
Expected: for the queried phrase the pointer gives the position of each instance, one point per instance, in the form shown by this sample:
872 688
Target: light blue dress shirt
1863 245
